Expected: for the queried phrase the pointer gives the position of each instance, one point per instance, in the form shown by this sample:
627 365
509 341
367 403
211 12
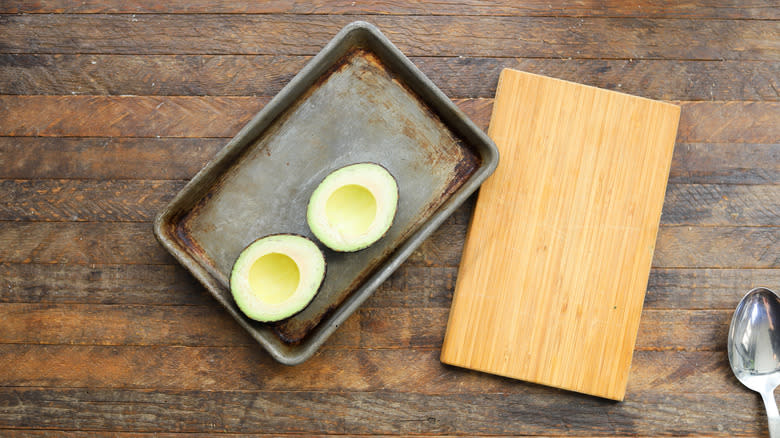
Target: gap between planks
750 122
311 55
205 75
627 38
643 9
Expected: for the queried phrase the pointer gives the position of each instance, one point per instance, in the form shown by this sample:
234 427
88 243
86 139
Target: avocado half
353 207
276 276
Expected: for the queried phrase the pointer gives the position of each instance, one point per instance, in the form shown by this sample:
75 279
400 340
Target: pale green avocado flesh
277 276
274 277
353 207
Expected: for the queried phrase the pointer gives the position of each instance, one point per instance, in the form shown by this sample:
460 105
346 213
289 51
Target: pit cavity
351 209
274 277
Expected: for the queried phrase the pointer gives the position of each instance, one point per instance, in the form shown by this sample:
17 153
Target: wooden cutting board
557 257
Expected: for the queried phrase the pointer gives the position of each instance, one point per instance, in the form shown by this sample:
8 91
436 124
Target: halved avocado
353 207
277 276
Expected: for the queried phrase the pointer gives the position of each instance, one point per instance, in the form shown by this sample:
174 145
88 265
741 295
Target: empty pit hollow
351 209
274 277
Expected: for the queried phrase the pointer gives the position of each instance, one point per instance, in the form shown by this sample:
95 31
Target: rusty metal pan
359 100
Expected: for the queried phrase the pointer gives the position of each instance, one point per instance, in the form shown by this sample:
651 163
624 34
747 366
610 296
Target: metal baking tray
359 100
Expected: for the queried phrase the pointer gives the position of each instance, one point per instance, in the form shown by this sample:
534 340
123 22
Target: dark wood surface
107 108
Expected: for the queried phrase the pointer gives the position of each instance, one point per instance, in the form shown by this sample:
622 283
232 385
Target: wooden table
108 107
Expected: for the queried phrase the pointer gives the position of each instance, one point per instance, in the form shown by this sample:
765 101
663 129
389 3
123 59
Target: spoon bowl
754 348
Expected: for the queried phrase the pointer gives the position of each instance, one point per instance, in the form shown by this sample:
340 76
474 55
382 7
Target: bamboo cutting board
556 262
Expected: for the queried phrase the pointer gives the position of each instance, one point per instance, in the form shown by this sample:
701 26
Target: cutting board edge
616 395
621 93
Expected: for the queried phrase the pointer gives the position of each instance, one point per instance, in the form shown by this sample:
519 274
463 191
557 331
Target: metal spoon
754 348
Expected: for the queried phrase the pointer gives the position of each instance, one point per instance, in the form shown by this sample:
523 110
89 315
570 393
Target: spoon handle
771 413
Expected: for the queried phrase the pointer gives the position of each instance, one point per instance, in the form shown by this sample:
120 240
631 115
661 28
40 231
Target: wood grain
714 205
658 329
89 324
380 412
71 200
135 325
748 247
670 288
105 158
728 126
181 158
368 328
533 37
725 163
80 201
412 286
126 343
12 433
143 116
209 368
591 8
133 243
458 77
124 324
89 243
213 116
100 284
590 208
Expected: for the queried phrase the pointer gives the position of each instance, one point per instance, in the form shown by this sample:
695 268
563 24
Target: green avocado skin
312 273
347 174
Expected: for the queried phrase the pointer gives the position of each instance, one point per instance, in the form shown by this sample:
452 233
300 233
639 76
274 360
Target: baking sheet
359 100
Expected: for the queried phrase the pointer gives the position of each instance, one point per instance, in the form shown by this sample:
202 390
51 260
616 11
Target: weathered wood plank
591 8
532 410
731 247
676 247
458 77
725 163
214 116
690 330
181 158
705 288
249 368
79 200
368 328
658 329
119 325
133 243
148 74
702 121
82 324
140 200
30 433
714 205
87 243
101 284
110 116
409 287
106 158
533 37
668 288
